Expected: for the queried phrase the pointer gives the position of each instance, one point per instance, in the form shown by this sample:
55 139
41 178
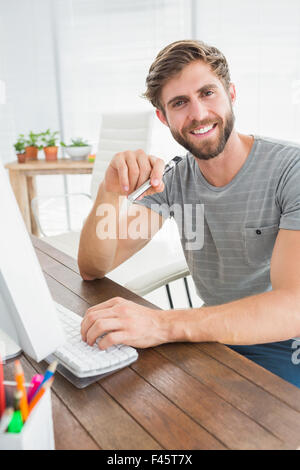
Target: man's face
198 110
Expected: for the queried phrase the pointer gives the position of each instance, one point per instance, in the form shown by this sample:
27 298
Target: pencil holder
37 432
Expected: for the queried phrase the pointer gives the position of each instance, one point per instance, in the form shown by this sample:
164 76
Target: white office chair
161 260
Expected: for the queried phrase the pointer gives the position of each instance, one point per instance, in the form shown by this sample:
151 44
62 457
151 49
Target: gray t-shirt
241 219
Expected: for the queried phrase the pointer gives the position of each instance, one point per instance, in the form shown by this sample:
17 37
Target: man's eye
209 93
178 103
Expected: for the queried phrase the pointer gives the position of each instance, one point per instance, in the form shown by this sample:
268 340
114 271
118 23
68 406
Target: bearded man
248 270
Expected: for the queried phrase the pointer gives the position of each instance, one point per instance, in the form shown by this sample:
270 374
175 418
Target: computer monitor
28 317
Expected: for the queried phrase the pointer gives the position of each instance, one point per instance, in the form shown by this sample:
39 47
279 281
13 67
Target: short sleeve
288 197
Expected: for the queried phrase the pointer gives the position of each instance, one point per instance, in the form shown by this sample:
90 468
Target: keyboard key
84 360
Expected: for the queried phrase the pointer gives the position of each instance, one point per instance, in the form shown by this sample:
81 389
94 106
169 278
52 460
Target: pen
139 191
40 393
2 391
6 419
48 374
21 387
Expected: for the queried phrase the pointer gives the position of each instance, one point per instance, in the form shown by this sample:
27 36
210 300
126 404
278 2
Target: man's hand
124 322
100 253
130 169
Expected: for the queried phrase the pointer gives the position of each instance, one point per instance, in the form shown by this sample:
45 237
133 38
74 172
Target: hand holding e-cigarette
132 171
144 187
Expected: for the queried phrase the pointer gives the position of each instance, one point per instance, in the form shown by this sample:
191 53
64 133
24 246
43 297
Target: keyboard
84 360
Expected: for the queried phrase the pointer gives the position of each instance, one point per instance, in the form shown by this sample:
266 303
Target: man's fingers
116 337
158 166
151 190
145 167
105 310
130 169
90 319
156 177
120 165
107 304
100 327
133 170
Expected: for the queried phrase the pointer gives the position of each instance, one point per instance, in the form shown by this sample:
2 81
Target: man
248 270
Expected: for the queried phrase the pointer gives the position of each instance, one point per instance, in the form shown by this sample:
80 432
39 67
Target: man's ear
232 93
161 117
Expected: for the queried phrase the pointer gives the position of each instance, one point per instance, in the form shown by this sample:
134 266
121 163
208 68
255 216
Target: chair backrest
120 132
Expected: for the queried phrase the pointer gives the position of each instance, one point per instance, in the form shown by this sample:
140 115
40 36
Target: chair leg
188 292
169 296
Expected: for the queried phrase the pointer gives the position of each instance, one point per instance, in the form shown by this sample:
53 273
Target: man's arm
262 318
107 238
267 317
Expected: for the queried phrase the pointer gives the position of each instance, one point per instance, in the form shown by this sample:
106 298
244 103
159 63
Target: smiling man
194 133
248 270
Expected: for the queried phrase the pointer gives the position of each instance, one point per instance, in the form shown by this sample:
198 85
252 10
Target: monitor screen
27 312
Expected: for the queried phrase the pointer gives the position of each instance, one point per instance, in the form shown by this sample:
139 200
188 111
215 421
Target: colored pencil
49 373
40 393
21 386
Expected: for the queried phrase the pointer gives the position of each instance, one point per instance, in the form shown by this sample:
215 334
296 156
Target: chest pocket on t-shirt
259 244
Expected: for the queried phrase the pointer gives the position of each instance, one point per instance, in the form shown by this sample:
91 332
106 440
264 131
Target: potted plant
49 140
20 148
32 146
78 149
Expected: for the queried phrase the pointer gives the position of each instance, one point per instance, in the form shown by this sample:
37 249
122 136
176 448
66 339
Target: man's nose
197 111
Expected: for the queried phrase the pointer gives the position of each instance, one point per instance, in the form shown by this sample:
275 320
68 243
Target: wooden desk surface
176 396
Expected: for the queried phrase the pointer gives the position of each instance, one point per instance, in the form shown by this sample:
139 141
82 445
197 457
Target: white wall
103 55
261 40
105 52
26 65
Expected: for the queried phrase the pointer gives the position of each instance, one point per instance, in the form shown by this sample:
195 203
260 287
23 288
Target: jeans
280 358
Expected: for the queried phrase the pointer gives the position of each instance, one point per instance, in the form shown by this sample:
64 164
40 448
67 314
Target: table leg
31 187
19 185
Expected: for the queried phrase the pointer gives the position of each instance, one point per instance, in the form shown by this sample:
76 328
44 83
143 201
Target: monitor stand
8 348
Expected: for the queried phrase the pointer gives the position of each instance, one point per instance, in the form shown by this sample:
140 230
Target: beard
209 147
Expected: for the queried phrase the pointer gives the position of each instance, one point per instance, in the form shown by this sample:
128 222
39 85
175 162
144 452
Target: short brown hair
174 57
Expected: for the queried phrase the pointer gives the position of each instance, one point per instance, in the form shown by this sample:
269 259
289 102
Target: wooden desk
22 178
176 396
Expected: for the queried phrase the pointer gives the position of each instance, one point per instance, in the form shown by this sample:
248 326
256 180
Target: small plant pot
79 153
91 158
31 153
50 153
21 157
